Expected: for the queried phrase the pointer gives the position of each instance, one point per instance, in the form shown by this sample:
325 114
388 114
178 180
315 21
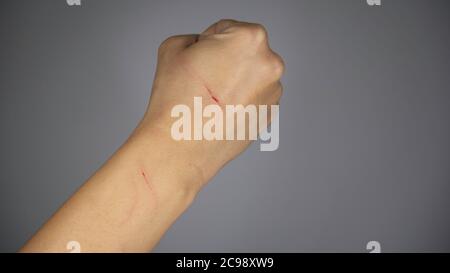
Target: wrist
167 162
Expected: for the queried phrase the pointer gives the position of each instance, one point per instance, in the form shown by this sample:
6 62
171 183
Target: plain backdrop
364 125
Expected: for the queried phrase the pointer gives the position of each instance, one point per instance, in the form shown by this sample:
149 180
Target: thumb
219 27
177 43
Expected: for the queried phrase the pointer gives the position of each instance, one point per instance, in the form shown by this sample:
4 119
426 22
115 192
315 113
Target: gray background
365 120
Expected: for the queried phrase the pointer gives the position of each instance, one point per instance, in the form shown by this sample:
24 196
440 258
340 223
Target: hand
229 63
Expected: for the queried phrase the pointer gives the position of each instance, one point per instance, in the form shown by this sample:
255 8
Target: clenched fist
230 63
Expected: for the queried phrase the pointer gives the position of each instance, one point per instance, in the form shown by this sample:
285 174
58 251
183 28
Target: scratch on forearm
136 197
146 180
150 187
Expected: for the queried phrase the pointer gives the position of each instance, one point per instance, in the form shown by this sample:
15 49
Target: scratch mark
211 94
149 184
201 81
146 180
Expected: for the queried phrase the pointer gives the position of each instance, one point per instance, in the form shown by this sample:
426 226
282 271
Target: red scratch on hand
201 81
211 94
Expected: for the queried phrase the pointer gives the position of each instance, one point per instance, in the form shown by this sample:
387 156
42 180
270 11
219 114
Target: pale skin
130 202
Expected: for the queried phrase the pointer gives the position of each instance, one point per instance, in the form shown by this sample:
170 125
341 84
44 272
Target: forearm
141 190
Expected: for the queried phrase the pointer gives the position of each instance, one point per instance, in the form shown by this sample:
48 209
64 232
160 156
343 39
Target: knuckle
277 65
165 45
253 33
258 32
273 66
223 23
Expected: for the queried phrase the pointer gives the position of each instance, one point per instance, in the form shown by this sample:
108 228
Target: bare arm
130 202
